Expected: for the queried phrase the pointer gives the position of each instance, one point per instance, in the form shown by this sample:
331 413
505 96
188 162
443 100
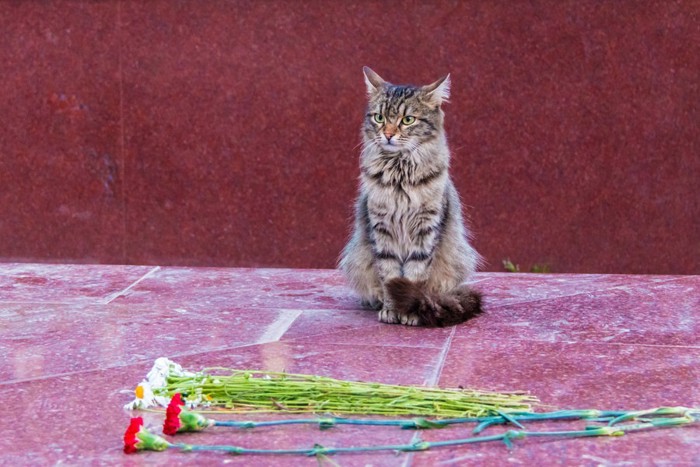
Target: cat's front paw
388 316
410 320
391 317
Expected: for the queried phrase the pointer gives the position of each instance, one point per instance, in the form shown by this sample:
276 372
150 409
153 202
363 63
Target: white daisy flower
156 379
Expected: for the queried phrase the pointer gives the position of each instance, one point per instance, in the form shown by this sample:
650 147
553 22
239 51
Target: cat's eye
408 120
379 118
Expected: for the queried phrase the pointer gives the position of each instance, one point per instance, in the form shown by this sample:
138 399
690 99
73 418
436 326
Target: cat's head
402 118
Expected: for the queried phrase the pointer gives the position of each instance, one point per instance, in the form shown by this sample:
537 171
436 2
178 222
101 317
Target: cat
409 253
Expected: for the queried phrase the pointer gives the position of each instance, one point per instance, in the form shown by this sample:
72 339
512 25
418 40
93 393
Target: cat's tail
453 307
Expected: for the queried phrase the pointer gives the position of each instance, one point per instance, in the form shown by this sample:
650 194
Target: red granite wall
225 133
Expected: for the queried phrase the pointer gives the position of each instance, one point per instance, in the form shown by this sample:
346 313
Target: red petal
172 415
171 426
130 448
130 439
175 404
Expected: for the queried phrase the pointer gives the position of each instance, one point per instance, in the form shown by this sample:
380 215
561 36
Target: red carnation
130 438
138 438
172 415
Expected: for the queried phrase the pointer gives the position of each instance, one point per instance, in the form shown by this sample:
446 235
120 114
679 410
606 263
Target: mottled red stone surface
225 133
76 339
61 161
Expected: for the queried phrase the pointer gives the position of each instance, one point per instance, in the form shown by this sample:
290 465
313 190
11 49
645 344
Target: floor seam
280 326
110 298
432 381
442 359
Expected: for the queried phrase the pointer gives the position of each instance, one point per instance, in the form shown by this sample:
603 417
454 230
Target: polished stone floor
76 339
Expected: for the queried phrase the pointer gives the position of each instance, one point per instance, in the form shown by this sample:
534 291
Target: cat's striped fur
409 253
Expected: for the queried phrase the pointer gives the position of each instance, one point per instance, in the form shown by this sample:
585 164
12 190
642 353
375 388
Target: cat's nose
388 136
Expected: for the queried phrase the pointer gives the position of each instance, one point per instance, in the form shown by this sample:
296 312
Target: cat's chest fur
402 195
402 171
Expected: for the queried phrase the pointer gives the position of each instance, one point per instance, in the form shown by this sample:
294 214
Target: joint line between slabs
115 295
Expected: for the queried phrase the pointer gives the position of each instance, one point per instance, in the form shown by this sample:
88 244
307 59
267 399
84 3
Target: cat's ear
373 81
439 91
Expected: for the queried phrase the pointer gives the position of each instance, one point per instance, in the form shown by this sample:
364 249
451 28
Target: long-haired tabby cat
409 252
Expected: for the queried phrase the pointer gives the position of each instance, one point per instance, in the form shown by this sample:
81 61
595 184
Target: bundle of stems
263 391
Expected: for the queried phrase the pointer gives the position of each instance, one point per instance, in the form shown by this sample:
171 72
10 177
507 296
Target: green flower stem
422 423
319 450
624 416
506 437
237 449
654 419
